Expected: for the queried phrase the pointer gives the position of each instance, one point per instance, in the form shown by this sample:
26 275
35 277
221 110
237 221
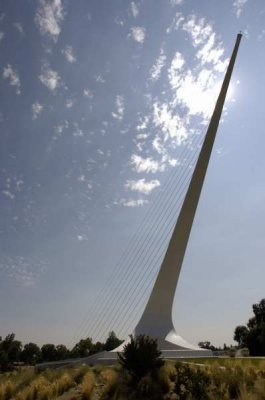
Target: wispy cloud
49 17
88 93
138 33
176 2
49 77
22 270
141 164
238 7
36 109
69 54
132 202
12 75
8 194
142 185
134 9
171 125
119 113
158 66
19 27
69 103
198 92
2 35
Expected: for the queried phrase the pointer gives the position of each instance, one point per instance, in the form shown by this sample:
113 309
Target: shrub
140 357
245 352
64 383
87 385
111 381
191 382
6 390
167 377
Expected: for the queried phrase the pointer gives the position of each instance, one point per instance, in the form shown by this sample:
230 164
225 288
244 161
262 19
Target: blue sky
103 106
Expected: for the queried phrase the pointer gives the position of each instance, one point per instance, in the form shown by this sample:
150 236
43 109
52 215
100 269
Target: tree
97 347
140 357
241 335
62 352
207 345
82 348
112 341
3 361
253 336
11 347
259 312
31 354
48 352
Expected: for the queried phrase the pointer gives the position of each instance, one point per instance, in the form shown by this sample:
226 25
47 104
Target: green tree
207 345
3 361
140 357
97 347
11 347
48 352
31 354
112 341
62 352
82 348
253 336
241 335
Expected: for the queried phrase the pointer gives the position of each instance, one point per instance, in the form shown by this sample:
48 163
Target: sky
103 107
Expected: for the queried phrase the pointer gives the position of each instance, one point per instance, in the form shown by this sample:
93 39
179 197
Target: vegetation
140 357
252 335
235 380
12 351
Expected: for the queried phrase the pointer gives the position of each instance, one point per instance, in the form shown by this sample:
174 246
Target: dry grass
87 385
6 390
110 379
237 381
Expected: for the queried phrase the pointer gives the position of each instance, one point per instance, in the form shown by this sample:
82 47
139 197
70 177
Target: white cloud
69 54
138 34
176 2
174 69
2 35
36 108
142 125
88 93
99 78
49 17
198 29
172 126
238 7
8 194
134 9
133 202
156 69
49 77
24 271
119 113
13 77
20 28
142 186
78 132
69 103
198 93
210 54
81 238
147 165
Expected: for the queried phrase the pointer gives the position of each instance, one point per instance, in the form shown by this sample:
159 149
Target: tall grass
87 385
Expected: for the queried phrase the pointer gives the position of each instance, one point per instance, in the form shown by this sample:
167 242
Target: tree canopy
252 335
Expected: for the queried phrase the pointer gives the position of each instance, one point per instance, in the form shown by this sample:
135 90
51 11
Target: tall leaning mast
156 319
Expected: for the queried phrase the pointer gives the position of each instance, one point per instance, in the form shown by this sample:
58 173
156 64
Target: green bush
191 382
140 357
